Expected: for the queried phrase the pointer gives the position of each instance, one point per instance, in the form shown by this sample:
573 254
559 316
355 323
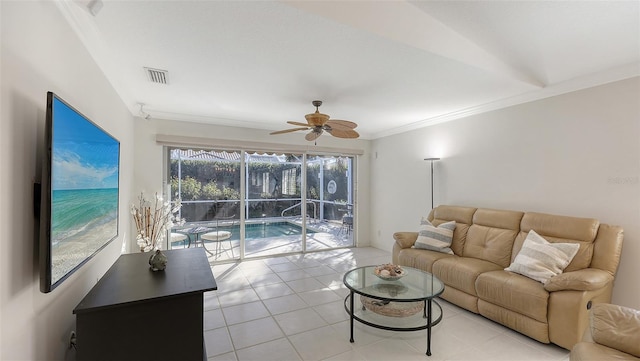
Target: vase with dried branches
153 219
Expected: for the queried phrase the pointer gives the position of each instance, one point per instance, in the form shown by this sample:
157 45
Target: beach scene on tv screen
84 210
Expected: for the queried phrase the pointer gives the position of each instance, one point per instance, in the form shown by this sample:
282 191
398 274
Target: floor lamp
432 160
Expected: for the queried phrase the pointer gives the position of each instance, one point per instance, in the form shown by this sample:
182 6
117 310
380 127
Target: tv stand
133 313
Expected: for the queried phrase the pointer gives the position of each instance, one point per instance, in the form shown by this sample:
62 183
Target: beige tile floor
291 308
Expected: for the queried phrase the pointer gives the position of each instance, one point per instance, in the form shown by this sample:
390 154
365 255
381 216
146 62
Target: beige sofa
486 241
613 334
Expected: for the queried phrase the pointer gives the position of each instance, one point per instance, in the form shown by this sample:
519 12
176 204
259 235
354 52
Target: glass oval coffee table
405 304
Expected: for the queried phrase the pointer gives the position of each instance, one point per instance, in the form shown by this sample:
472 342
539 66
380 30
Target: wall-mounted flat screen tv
79 192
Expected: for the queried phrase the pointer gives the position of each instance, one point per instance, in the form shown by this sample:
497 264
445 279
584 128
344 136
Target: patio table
194 231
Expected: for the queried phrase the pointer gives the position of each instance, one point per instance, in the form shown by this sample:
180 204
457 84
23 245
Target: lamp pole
432 160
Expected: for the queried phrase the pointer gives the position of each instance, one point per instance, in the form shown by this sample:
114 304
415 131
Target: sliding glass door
241 204
273 204
208 184
330 191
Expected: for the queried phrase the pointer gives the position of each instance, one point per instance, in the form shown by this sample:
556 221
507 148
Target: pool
260 230
266 230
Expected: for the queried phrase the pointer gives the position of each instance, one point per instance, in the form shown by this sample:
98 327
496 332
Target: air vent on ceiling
157 76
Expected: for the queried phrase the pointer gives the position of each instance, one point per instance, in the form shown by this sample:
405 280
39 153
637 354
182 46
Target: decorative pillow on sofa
435 238
540 260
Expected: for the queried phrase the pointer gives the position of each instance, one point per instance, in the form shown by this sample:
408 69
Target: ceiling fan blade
299 124
318 123
287 131
337 123
313 135
343 133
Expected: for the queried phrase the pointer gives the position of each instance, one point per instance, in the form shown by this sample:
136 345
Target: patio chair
218 236
347 224
178 237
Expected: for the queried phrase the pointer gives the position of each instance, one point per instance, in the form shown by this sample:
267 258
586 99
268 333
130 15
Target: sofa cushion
540 260
461 272
463 217
561 229
514 292
435 238
491 235
419 258
616 327
459 214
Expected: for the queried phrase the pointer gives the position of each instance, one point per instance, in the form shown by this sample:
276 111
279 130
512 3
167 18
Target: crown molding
609 76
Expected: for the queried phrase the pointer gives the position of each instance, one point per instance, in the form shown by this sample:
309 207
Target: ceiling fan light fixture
316 119
318 123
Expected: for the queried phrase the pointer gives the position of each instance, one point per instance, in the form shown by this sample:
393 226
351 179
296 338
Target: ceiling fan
319 123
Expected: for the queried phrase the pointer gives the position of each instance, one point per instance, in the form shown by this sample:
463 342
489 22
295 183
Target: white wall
149 158
40 53
576 154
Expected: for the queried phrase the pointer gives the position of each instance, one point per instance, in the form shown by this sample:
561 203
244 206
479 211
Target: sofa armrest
587 279
405 239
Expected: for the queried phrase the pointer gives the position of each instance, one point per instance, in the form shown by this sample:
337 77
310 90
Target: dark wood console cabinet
133 313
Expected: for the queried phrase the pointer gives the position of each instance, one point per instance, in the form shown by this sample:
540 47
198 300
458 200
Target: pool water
261 230
267 230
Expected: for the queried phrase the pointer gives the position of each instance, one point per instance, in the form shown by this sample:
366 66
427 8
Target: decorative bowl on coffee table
389 272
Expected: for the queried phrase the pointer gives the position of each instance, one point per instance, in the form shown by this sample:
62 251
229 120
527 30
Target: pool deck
328 235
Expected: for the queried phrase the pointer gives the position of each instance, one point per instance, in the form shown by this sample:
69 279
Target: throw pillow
435 238
540 260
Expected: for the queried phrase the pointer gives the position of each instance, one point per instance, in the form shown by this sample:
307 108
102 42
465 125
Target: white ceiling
389 66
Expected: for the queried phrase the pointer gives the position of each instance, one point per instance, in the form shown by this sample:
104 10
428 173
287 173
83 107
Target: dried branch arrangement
153 220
